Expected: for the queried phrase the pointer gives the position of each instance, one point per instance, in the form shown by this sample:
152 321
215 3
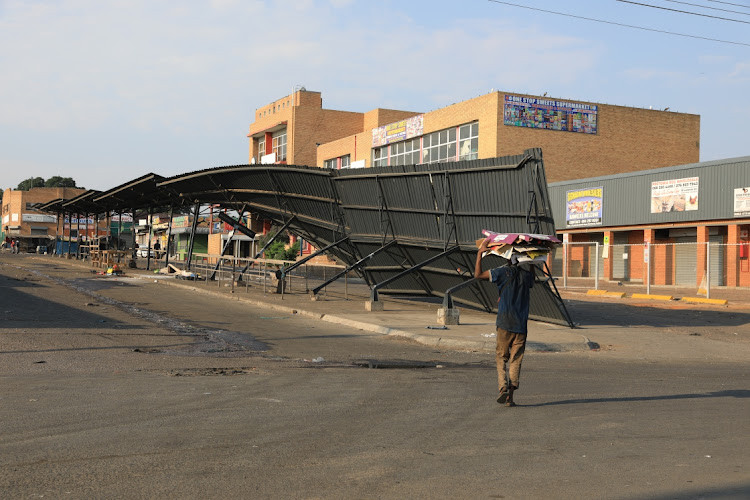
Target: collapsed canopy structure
406 229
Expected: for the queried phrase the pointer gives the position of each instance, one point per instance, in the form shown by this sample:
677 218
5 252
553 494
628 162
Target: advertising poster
742 202
398 131
583 207
674 195
549 114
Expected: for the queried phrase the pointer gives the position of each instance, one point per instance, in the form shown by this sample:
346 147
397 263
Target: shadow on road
619 314
738 393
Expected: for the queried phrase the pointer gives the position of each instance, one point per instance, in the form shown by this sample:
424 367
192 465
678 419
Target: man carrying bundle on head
513 282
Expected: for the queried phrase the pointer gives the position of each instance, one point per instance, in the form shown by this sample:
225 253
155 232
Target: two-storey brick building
579 139
31 227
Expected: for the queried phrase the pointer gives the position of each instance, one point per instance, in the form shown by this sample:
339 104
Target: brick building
20 220
579 139
672 226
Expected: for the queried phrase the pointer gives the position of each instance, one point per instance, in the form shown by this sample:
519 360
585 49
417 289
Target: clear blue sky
106 91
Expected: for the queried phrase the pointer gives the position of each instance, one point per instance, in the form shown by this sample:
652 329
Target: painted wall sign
742 202
50 219
584 207
550 114
674 195
398 131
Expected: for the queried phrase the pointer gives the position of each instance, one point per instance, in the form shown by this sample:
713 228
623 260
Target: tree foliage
31 182
54 181
277 250
57 181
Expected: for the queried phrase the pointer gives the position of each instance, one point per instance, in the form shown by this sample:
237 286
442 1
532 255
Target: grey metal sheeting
426 209
627 197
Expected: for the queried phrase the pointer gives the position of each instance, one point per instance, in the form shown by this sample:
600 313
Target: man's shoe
509 397
503 396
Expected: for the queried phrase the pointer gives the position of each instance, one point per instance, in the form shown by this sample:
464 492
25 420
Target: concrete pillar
701 264
649 235
733 252
607 253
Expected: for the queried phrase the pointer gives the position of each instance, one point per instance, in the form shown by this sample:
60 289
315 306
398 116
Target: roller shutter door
685 261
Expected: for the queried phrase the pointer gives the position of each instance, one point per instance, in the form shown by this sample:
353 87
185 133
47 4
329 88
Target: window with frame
439 146
278 144
337 163
468 141
261 149
405 152
380 157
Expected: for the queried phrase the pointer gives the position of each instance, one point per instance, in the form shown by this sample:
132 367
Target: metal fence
653 268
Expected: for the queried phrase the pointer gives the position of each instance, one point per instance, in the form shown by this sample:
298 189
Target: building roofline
675 168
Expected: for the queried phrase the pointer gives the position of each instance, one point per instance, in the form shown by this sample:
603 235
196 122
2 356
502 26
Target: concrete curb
434 341
651 297
701 300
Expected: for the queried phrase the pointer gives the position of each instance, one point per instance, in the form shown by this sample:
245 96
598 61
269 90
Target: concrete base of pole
374 305
448 316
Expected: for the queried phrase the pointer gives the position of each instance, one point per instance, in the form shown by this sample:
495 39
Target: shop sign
76 220
674 195
549 114
398 131
50 219
742 202
181 221
584 207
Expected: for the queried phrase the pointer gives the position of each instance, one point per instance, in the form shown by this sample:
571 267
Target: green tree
31 182
57 181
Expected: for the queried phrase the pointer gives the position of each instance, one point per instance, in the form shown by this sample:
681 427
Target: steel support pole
150 234
353 266
79 239
169 236
268 243
448 297
119 234
374 292
191 241
70 228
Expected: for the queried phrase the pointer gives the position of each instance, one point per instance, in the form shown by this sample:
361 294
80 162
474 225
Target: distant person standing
157 247
513 283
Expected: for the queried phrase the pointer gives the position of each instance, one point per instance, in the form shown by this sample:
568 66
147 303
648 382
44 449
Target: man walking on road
513 285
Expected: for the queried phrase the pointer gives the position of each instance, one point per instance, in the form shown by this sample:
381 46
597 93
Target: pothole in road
207 372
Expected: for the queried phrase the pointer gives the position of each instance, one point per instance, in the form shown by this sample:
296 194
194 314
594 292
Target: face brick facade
626 139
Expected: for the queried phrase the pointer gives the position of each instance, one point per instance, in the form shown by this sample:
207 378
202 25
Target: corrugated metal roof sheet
425 208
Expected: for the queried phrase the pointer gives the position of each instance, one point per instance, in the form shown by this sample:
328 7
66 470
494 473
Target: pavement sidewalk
413 318
618 328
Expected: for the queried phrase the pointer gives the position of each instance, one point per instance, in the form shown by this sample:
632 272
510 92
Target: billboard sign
398 131
742 202
674 195
549 114
583 207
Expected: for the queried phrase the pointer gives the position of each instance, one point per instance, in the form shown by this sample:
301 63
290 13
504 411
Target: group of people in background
12 243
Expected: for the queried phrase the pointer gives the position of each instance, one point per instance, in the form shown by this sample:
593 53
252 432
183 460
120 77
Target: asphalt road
131 389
